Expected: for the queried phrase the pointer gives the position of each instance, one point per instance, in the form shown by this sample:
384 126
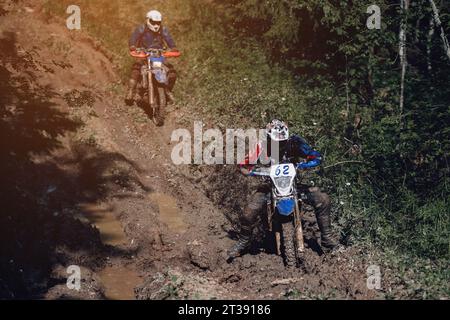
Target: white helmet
277 130
154 19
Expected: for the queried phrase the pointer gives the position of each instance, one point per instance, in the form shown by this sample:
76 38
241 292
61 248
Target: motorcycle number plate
157 64
283 170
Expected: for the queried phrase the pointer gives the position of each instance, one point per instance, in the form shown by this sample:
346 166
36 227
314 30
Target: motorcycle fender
286 207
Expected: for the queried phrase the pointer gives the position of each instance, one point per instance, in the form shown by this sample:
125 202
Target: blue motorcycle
283 211
154 79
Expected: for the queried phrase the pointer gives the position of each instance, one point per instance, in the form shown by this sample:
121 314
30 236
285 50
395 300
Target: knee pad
257 201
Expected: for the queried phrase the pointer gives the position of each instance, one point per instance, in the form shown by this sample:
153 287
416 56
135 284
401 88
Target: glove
132 48
245 171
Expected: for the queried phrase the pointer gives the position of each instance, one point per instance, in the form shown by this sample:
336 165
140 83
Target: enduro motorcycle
284 211
154 80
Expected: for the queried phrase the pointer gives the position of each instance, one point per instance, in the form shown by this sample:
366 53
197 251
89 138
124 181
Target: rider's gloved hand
246 171
300 166
132 48
174 50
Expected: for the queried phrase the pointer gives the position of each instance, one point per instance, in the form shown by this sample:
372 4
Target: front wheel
159 113
288 250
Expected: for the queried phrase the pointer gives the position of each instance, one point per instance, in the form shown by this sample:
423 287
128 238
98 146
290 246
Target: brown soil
88 181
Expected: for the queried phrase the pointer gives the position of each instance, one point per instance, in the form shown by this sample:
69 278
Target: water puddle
169 212
119 282
111 231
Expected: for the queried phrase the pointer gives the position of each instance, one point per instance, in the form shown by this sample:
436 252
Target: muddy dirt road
95 186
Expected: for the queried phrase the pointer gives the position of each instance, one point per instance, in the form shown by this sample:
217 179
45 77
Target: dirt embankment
88 181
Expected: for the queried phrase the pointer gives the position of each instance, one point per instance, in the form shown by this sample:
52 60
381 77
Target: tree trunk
429 45
438 23
404 4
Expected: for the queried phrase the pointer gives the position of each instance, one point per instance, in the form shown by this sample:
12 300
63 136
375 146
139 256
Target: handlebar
172 54
143 53
261 172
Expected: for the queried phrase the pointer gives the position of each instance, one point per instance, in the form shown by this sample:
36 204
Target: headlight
157 64
283 182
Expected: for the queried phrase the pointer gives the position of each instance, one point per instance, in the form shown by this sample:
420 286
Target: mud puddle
119 282
169 213
111 231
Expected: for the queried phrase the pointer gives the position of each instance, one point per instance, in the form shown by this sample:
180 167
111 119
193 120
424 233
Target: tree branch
439 25
344 162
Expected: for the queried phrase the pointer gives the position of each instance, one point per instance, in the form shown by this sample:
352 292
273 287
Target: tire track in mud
179 205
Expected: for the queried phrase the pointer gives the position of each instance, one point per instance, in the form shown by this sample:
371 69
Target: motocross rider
291 149
152 34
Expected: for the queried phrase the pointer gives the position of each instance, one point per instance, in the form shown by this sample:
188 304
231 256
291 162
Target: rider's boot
328 241
242 245
322 206
172 79
132 84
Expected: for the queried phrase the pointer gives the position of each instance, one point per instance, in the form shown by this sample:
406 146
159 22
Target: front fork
299 242
298 215
151 91
147 82
270 214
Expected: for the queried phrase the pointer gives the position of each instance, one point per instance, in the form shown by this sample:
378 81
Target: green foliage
345 70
